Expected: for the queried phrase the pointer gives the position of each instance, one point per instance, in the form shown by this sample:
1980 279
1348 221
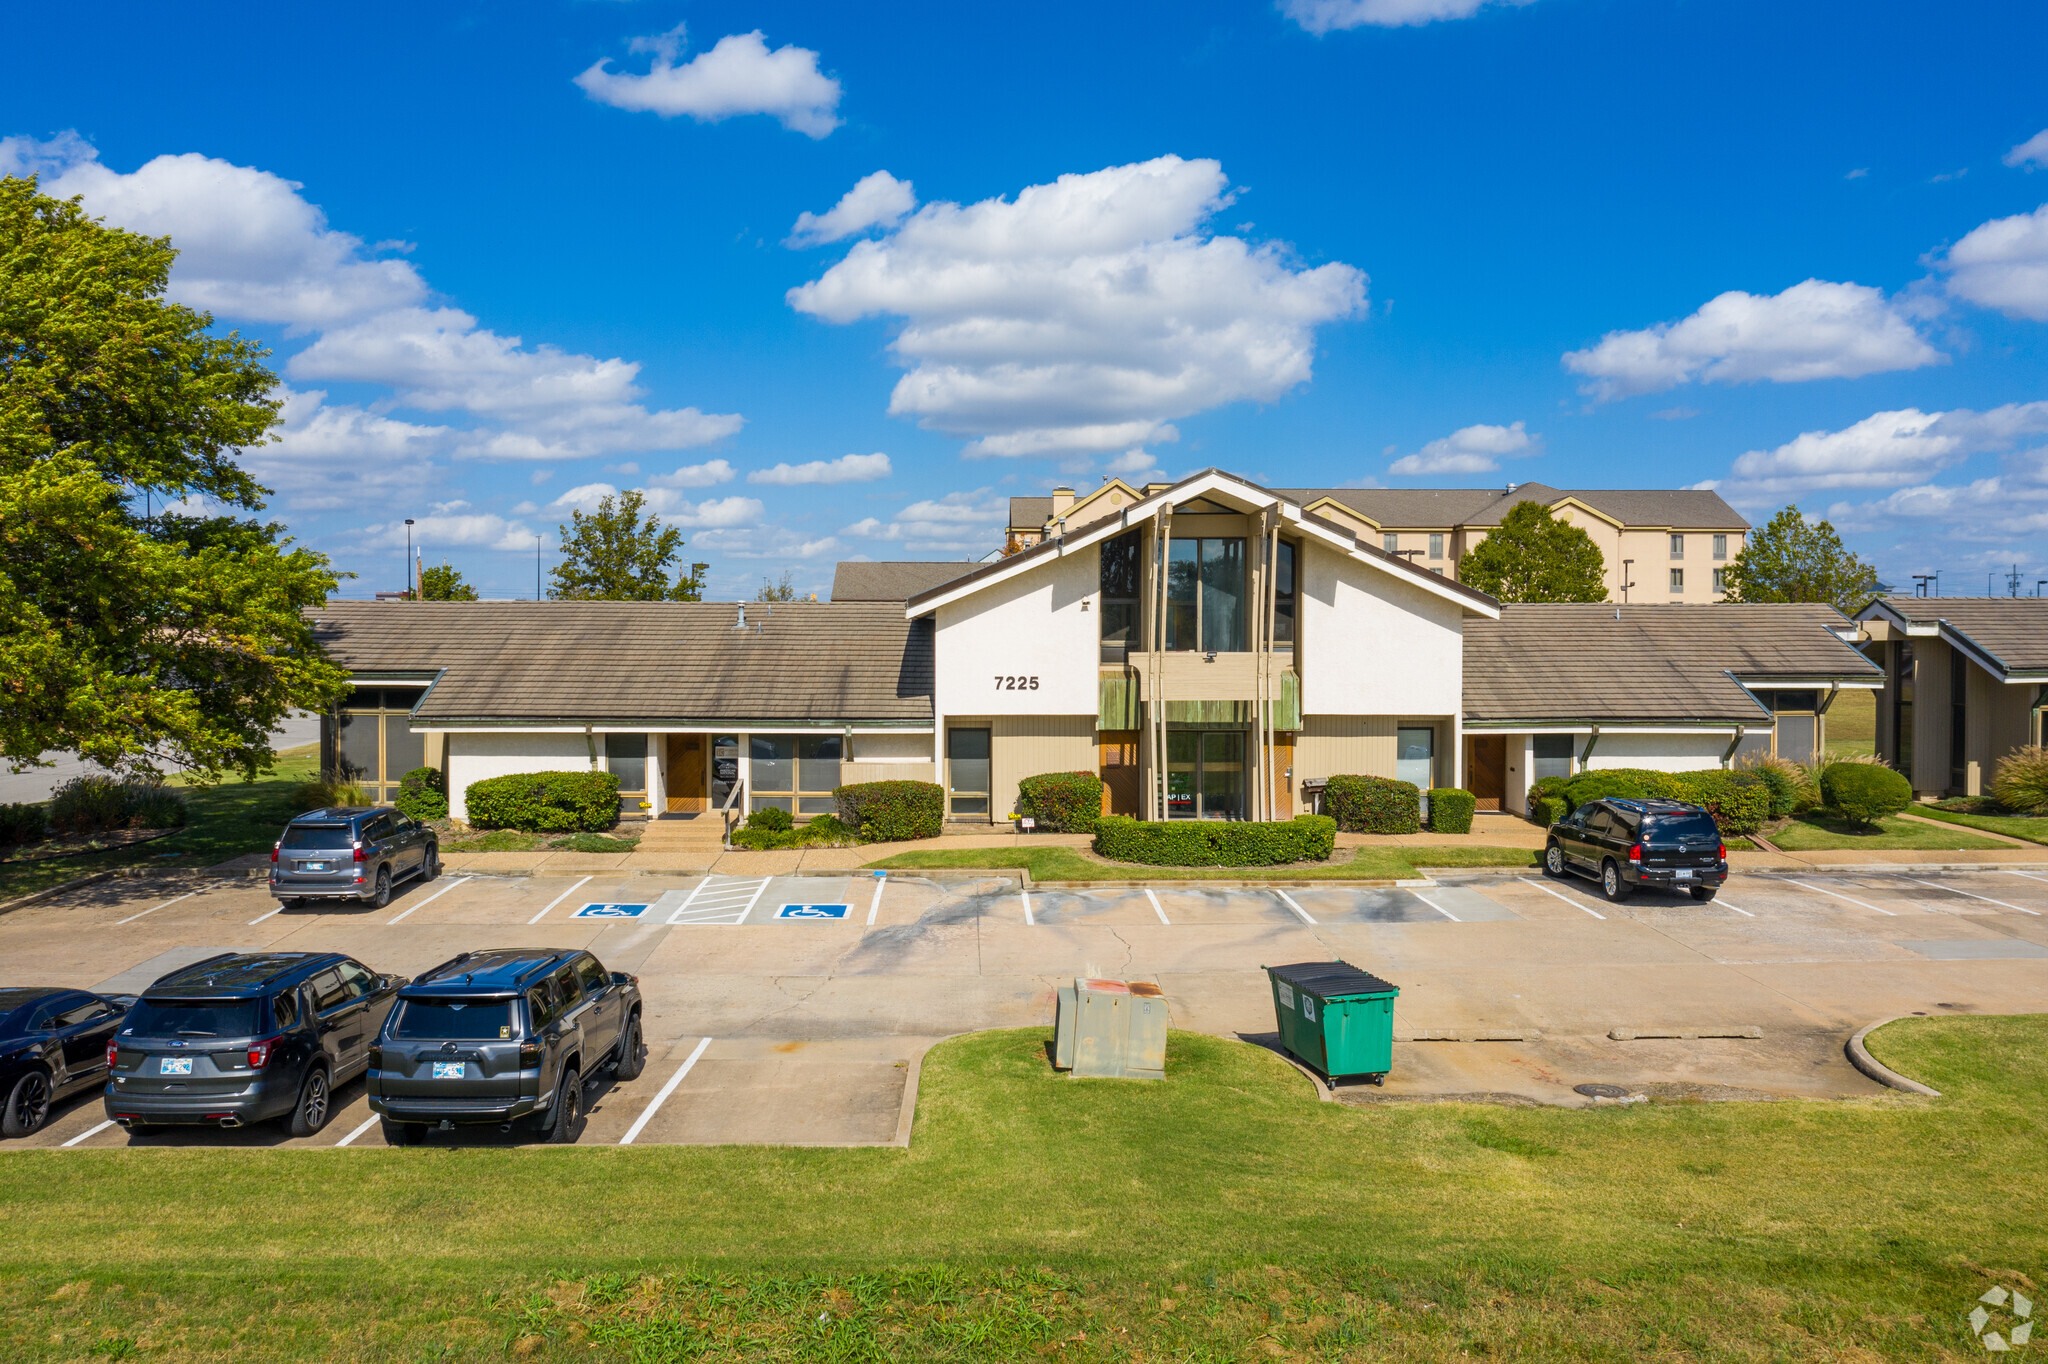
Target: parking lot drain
1683 1034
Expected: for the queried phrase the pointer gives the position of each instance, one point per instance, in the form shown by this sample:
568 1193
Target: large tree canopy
1533 556
143 643
1792 559
613 555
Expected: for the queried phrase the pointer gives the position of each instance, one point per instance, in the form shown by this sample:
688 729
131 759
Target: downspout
1267 713
1586 754
1733 744
590 742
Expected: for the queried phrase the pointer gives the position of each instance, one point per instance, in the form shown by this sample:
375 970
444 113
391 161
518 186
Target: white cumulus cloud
324 457
706 475
2033 152
1813 330
1884 450
2003 264
1086 314
958 523
472 530
1321 16
739 75
845 469
878 200
1468 450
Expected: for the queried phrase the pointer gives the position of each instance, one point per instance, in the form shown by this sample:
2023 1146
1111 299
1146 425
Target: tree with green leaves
444 584
1793 559
612 554
1533 556
141 642
772 590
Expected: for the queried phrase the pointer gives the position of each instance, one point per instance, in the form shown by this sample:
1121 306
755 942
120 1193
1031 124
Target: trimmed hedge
1450 809
1739 801
1865 792
26 823
772 819
1373 805
1062 802
1548 809
892 811
423 794
1215 842
545 802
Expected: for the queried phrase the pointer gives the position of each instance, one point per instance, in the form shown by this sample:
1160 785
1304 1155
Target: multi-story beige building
1660 545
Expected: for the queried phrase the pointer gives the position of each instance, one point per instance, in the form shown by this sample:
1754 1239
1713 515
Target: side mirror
622 978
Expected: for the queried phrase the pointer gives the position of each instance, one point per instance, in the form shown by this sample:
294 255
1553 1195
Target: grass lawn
1818 833
1065 864
2033 828
1852 723
1222 1214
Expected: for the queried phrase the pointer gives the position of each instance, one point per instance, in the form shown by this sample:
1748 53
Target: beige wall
1023 746
1344 745
849 773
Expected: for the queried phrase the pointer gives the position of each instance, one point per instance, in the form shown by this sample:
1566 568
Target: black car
500 1037
1625 844
53 1042
351 852
246 1037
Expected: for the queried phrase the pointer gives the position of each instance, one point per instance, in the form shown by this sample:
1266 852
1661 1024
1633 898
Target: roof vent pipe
741 623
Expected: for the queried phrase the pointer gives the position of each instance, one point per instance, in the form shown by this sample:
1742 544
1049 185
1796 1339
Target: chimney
1062 499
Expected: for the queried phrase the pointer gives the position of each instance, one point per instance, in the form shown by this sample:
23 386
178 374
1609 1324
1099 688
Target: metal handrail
726 813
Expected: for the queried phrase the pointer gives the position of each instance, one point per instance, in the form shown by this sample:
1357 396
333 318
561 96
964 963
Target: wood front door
686 792
1122 788
1486 769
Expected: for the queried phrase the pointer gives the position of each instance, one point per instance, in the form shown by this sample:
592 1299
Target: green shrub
827 831
892 811
2021 782
1740 802
545 802
1865 792
25 823
1450 810
1622 783
91 804
1373 805
325 793
1792 790
772 819
762 840
1062 802
423 794
1215 842
1549 808
152 806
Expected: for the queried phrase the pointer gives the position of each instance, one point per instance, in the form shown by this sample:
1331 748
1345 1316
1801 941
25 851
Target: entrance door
1486 769
1205 774
685 775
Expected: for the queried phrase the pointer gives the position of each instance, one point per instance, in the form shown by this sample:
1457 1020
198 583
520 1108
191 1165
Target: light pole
1626 565
536 568
411 587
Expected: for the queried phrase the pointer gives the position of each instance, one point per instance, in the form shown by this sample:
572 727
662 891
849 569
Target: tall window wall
374 745
794 773
1122 628
1205 583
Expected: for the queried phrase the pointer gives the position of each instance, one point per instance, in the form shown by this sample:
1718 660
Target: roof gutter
1592 742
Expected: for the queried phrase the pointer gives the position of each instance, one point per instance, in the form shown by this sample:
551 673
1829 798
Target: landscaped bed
1076 864
1225 1213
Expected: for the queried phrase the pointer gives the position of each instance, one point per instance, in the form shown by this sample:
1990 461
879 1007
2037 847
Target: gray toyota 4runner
503 1036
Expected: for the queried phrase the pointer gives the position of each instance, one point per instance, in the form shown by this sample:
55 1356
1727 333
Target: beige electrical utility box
1112 1029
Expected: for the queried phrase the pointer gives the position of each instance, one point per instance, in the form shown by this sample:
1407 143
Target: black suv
53 1041
244 1037
1632 843
502 1036
350 852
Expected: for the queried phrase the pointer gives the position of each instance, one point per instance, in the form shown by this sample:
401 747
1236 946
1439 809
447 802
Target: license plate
174 1065
450 1070
312 866
1683 873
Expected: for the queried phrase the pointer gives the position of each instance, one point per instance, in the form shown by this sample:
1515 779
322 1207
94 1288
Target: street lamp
411 587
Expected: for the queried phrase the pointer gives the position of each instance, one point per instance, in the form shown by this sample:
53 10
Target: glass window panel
1283 595
1390 541
1436 545
1120 565
1120 623
967 770
1415 755
967 743
818 764
816 805
1678 580
403 699
1795 737
1183 755
626 756
1223 595
1720 546
769 803
1183 577
1553 757
970 805
403 749
773 758
1222 775
359 747
1678 546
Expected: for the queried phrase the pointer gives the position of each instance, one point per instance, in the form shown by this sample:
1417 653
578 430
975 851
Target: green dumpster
1335 1019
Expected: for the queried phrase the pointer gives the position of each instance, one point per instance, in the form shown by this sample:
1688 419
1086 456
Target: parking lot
796 1010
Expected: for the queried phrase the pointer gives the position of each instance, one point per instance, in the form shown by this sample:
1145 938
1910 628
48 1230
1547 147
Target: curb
1860 1057
52 892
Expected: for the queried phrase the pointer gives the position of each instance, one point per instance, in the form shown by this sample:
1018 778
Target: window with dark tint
626 756
191 1018
1119 584
328 991
563 983
591 974
1553 756
325 836
540 1006
443 1019
1687 828
1284 595
284 1009
83 1011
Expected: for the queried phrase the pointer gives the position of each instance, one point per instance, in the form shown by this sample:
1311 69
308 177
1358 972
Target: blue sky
509 255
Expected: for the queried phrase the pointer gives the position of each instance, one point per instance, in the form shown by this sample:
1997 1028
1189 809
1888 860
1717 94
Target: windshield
318 836
437 1020
1680 828
191 1018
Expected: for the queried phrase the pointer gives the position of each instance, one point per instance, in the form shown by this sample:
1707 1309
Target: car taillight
376 1058
113 1052
359 853
529 1055
1635 852
259 1052
1722 853
273 852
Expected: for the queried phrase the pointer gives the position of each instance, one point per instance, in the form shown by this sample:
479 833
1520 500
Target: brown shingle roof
2011 630
588 662
895 580
1656 663
1029 513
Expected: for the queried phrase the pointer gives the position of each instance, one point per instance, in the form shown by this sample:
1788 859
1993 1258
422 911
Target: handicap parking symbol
610 912
811 912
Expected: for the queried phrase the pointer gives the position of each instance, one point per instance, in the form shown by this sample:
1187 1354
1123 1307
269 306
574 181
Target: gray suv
350 852
502 1037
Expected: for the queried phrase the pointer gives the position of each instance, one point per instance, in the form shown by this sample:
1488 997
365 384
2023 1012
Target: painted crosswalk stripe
165 905
368 1123
430 899
1025 896
1547 890
1850 898
1155 907
559 898
666 1090
720 900
1288 900
1973 895
90 1132
875 905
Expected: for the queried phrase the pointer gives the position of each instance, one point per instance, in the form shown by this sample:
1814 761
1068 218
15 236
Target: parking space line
154 908
875 905
368 1123
1025 896
759 891
1547 890
431 898
2029 875
1933 885
270 915
90 1132
662 1097
1839 896
721 903
1288 900
690 899
1155 907
1435 906
1737 908
559 898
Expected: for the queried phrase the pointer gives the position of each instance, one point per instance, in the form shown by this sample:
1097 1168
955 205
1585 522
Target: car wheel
1616 889
382 895
28 1105
311 1114
1553 860
431 868
632 1052
567 1118
1703 893
403 1133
